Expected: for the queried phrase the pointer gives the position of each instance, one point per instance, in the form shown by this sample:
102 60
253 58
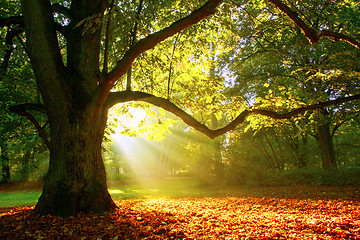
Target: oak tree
71 47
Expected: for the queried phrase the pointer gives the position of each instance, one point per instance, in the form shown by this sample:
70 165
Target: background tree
19 139
276 68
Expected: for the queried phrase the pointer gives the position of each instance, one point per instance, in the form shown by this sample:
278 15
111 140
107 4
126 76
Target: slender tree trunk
5 161
217 158
25 165
278 165
326 146
302 152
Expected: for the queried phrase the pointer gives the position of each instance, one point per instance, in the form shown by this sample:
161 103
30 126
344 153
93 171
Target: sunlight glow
129 119
131 141
139 155
116 191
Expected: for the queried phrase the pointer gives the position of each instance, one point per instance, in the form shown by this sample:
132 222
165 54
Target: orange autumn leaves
231 218
195 218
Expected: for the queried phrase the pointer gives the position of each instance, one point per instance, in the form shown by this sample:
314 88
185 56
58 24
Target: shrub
314 176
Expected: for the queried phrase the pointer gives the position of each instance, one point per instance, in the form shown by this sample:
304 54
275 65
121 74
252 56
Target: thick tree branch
126 96
19 20
312 34
44 52
14 20
336 36
296 111
107 40
153 39
23 111
28 107
9 40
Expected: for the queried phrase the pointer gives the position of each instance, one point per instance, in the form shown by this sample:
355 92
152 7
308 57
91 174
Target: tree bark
302 152
5 161
25 164
312 34
76 180
217 158
326 145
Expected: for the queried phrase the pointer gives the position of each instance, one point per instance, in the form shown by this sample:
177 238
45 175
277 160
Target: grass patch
139 189
17 199
167 187
189 188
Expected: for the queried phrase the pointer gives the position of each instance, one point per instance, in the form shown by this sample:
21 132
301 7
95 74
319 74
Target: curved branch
126 96
23 111
19 20
153 39
312 34
14 20
28 107
336 36
10 48
296 111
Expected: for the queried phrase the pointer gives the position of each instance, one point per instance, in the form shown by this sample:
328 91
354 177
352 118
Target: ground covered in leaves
195 218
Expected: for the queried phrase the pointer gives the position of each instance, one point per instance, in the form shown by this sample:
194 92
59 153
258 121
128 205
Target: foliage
252 176
274 68
19 139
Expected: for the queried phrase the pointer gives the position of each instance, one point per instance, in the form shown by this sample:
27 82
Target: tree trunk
73 99
300 152
76 180
218 161
303 154
326 146
25 165
5 161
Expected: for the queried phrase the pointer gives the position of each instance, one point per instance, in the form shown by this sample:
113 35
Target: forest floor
288 212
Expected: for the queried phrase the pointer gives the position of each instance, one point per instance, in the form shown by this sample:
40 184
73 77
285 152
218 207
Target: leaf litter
194 218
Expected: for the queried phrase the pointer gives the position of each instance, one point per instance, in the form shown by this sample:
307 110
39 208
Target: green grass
169 187
143 188
17 199
190 188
